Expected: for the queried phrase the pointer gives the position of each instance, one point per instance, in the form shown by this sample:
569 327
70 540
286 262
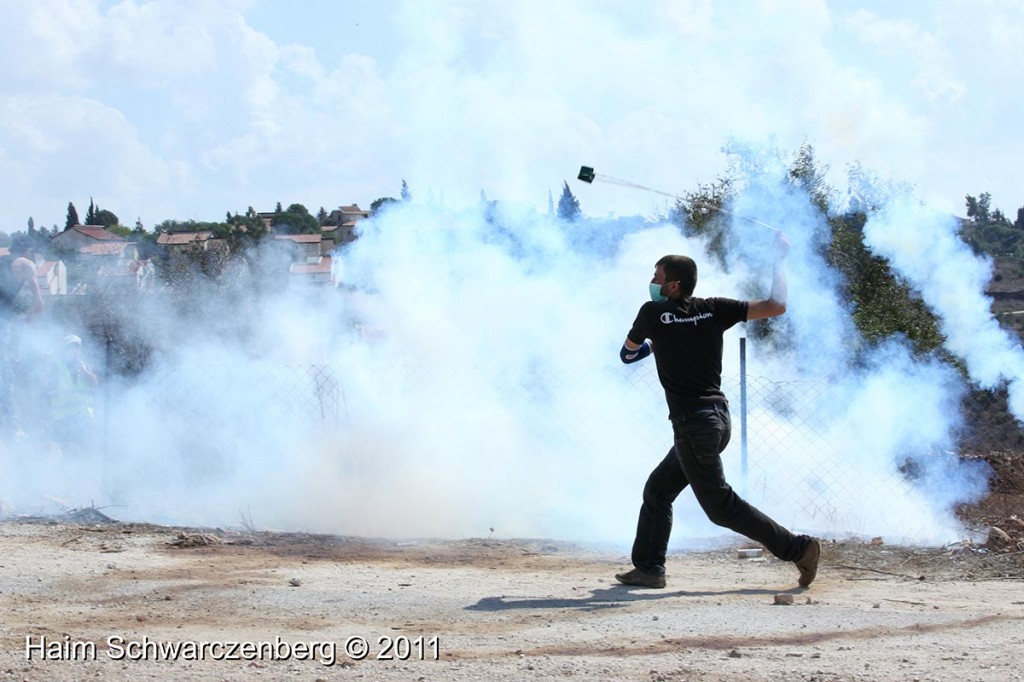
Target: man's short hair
680 269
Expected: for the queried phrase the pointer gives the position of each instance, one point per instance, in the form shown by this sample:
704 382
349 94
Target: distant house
267 217
318 273
305 248
177 241
52 276
82 236
330 231
327 245
341 223
184 250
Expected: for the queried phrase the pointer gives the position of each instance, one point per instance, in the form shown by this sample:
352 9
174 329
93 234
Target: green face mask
656 294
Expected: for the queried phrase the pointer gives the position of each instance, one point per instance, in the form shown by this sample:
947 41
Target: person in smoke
71 399
20 302
684 333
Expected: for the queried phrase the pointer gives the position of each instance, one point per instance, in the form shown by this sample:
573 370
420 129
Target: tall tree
1019 222
406 196
72 218
698 214
984 207
978 207
31 224
568 205
296 220
972 207
321 216
807 173
380 203
90 215
105 218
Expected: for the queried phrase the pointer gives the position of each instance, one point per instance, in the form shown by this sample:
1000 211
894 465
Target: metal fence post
743 415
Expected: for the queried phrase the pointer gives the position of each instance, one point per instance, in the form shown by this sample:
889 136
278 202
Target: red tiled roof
353 209
95 231
178 238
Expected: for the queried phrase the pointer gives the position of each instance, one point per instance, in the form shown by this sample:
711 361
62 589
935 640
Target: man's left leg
699 442
654 524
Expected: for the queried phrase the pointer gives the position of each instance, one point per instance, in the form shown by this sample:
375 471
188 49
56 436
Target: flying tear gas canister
588 175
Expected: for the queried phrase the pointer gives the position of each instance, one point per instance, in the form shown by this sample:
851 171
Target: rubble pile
1008 536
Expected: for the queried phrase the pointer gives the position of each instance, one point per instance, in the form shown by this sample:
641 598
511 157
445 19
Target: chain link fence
788 451
770 416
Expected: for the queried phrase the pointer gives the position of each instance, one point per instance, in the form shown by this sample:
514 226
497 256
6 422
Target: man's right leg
699 441
655 523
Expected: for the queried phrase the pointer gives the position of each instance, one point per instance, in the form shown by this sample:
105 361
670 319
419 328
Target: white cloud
457 96
68 148
901 37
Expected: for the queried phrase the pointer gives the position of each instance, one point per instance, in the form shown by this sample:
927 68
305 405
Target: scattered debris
294 582
904 601
86 515
876 570
1001 541
184 539
247 522
784 599
749 553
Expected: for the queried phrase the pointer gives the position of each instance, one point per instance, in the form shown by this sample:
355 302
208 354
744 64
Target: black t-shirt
687 339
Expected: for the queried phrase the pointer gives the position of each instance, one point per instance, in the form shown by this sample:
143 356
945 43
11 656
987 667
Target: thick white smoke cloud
467 379
924 247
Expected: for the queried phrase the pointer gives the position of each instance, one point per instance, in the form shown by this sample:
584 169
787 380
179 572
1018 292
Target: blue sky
189 109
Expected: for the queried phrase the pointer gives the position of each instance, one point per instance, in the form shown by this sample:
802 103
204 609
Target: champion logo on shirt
672 318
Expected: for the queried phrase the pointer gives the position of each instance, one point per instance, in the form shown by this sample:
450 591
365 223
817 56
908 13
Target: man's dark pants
695 460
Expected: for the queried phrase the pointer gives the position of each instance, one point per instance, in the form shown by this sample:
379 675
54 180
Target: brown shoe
639 578
808 563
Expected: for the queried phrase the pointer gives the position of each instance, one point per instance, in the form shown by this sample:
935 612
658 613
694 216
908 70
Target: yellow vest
71 398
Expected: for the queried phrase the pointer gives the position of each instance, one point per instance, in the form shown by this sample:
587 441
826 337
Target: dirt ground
111 601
